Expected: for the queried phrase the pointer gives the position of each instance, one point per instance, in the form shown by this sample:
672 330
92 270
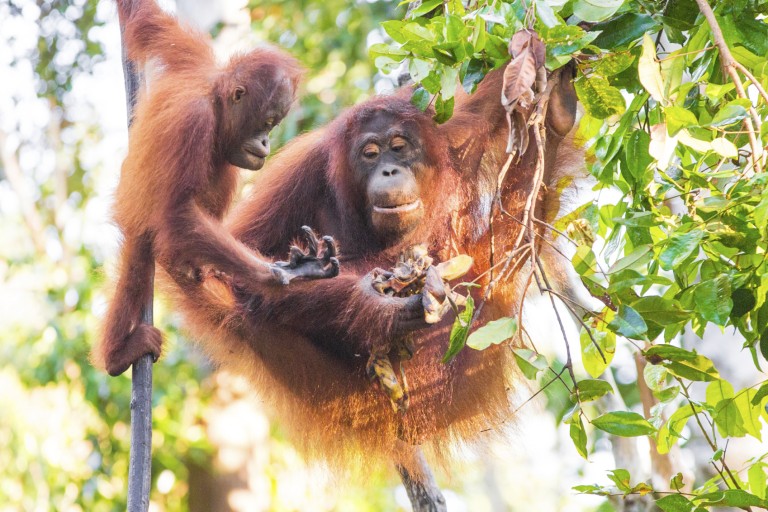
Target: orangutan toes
145 339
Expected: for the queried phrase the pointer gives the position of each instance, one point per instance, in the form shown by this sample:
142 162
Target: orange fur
176 183
305 351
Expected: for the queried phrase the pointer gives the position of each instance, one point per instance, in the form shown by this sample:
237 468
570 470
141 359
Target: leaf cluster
678 147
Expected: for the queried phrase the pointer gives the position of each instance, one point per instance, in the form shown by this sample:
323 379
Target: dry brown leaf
519 77
518 132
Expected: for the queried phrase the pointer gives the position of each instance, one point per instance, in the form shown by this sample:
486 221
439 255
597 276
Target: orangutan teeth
398 209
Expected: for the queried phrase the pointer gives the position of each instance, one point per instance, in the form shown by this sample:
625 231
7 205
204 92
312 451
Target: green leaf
679 118
593 363
636 150
762 392
623 424
492 333
426 8
656 353
421 98
460 330
728 419
529 362
667 394
715 92
624 29
448 83
612 64
671 431
419 69
649 70
599 97
479 34
731 498
404 32
635 259
564 40
638 219
621 478
763 345
655 376
579 436
679 248
386 51
728 115
713 299
660 311
725 148
455 29
750 414
677 482
431 82
757 480
699 369
718 391
547 15
443 109
743 302
584 261
592 389
681 13
596 10
628 323
592 489
675 503
446 53
472 72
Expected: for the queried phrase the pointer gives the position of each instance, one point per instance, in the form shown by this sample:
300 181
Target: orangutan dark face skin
252 117
389 168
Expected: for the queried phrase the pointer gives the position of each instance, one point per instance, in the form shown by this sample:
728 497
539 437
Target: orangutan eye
398 143
269 123
371 151
238 94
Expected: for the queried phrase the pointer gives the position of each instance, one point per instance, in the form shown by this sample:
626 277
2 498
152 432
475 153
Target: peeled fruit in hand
454 267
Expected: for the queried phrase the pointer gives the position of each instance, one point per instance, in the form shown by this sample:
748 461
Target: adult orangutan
197 123
380 178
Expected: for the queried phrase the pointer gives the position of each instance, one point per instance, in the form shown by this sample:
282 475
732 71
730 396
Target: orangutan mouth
403 208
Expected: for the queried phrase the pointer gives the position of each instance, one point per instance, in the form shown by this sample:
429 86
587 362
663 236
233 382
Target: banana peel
381 372
413 273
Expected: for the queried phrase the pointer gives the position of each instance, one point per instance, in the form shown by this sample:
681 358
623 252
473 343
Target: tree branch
419 481
140 463
730 66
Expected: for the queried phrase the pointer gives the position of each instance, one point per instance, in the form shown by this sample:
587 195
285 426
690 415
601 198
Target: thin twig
569 359
537 393
563 300
710 441
730 66
751 78
553 228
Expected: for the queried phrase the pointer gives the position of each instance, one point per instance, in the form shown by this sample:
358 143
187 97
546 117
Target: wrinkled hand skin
410 310
145 339
319 261
383 361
